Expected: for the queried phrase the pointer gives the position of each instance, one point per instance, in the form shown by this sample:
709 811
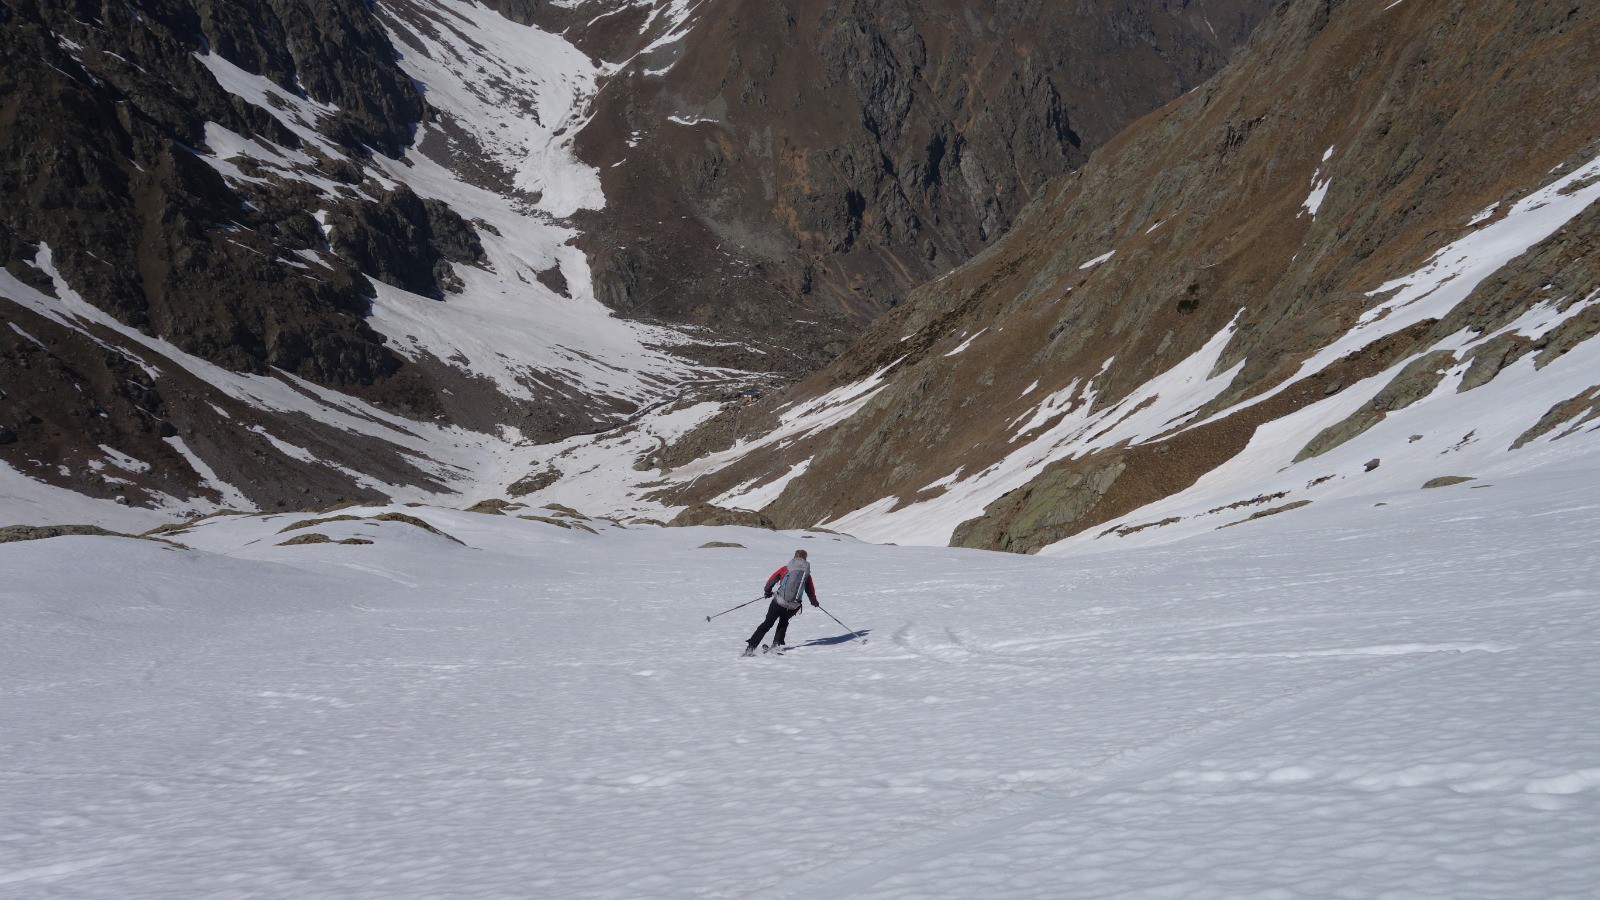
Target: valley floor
1392 695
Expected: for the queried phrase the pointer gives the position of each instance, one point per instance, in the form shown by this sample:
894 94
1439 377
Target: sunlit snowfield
1357 700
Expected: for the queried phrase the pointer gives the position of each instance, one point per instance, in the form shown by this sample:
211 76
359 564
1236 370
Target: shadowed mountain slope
816 160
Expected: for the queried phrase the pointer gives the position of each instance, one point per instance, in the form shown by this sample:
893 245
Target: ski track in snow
1354 701
967 839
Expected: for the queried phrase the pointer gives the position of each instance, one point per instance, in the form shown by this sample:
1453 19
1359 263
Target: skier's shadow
837 639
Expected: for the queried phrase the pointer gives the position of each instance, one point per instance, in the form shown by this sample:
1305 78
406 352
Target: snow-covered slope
514 94
1390 694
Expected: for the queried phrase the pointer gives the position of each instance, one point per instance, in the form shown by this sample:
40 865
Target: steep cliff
769 163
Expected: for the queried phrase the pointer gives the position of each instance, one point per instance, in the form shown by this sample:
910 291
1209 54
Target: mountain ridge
384 200
1240 240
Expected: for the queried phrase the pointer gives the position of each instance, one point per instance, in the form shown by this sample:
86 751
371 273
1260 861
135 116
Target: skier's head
800 553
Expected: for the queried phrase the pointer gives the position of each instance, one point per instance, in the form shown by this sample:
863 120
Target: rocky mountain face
773 163
1377 214
101 109
291 253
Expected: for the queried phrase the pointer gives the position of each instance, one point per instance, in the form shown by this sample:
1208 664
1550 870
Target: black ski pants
778 613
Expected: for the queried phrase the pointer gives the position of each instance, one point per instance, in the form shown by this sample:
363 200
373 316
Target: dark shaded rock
1255 501
555 280
332 51
493 507
706 514
1126 530
406 241
1415 381
560 523
1578 410
12 533
310 538
520 11
1491 358
1052 504
312 523
1569 334
537 481
1447 480
1271 511
414 521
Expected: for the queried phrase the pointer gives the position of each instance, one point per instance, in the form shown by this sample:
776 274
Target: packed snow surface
1395 694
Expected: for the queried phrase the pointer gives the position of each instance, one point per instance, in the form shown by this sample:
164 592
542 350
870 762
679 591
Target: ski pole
740 606
841 624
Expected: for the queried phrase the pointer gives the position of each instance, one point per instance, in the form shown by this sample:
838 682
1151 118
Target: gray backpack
793 583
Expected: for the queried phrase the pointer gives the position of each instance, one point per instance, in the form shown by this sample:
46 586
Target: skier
789 582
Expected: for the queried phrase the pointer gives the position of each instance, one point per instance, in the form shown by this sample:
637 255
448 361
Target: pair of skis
778 650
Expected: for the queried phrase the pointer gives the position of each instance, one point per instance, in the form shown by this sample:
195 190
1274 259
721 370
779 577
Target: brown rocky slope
1344 147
